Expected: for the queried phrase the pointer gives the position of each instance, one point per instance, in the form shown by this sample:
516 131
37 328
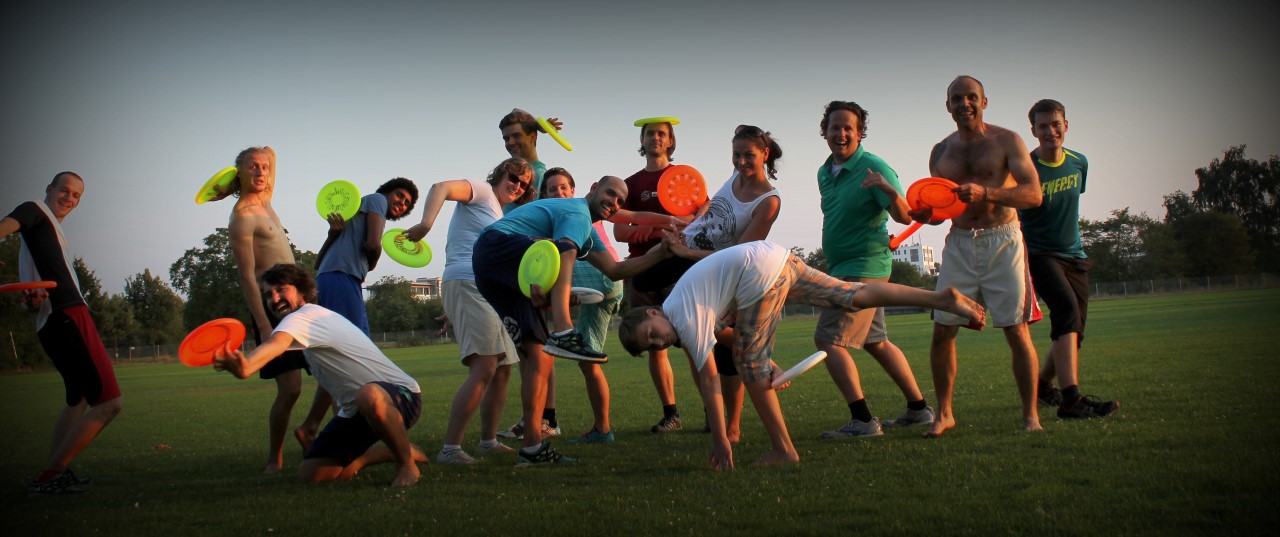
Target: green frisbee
540 265
401 250
340 197
220 180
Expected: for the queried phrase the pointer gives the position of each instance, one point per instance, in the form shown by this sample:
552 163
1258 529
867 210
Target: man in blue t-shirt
353 248
496 260
1059 267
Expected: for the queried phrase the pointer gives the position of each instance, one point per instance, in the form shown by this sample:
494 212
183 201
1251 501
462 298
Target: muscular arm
241 229
457 190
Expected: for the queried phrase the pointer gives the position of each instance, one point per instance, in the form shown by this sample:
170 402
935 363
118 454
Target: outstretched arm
235 362
620 270
456 190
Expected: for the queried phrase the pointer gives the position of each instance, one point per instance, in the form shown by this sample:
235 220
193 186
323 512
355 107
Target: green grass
1188 453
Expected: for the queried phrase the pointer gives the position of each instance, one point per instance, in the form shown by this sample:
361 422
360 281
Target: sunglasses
516 180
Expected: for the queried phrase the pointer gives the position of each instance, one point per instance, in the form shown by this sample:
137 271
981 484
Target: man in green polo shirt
859 193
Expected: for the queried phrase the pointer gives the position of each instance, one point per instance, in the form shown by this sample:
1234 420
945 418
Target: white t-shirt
341 357
469 219
721 283
725 221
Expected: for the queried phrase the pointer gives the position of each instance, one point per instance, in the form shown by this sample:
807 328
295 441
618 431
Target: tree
156 308
905 273
391 306
1215 244
1114 244
1250 190
1162 253
814 259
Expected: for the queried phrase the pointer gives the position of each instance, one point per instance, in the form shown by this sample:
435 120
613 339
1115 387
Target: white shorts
989 266
475 324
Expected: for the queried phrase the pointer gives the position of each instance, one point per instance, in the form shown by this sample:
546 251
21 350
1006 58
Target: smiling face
842 135
398 201
656 139
965 102
606 197
63 196
749 157
512 186
519 143
556 186
283 299
1050 128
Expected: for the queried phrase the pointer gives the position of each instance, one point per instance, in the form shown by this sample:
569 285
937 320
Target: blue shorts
496 260
344 439
342 293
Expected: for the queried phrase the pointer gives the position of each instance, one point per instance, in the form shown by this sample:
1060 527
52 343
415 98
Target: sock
859 410
549 414
917 405
47 475
1070 394
488 444
560 334
533 449
450 448
669 410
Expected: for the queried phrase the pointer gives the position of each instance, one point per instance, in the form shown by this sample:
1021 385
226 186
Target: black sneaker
1087 407
63 483
667 424
545 455
1050 397
77 479
572 347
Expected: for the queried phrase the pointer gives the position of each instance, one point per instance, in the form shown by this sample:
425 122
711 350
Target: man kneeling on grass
751 282
376 399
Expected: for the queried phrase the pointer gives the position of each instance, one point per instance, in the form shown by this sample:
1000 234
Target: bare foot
779 457
407 475
940 425
961 305
271 469
1032 425
418 455
735 435
305 438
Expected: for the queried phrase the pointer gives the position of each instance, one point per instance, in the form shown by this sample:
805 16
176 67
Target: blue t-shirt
1054 226
560 218
346 253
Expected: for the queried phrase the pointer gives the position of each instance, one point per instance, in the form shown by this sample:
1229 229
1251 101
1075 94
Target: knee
109 409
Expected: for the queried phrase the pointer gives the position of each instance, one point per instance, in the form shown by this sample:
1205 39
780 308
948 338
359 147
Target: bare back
995 159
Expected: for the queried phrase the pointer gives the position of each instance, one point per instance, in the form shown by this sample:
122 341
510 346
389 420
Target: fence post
1125 286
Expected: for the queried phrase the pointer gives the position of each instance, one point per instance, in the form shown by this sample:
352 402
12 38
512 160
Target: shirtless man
984 256
258 242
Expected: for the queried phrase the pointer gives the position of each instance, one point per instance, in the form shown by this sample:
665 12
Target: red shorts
71 340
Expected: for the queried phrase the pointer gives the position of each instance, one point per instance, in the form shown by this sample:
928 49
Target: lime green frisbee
540 265
340 197
401 250
219 181
555 134
659 119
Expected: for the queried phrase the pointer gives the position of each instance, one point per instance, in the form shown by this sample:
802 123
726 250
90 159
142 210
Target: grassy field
1186 454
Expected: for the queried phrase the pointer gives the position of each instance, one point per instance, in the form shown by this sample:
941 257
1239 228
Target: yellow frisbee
659 119
555 134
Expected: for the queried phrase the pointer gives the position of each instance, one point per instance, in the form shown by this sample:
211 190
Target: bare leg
598 394
480 372
766 402
378 454
495 399
534 371
306 433
731 387
1024 372
1064 357
942 359
895 364
874 295
843 371
288 388
384 418
84 427
1047 369
663 379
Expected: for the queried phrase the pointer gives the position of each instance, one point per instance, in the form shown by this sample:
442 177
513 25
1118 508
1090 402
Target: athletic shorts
990 267
344 439
343 293
852 330
1063 284
475 324
71 340
286 362
756 323
496 260
593 320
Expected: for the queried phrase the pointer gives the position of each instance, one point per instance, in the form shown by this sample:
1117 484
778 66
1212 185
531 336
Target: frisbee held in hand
555 134
27 286
220 180
540 265
201 344
681 190
401 250
799 368
933 193
587 295
340 197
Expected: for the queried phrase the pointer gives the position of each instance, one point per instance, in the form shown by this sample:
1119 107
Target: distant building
917 254
426 288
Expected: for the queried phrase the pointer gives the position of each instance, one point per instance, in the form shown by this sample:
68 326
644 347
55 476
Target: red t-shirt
642 195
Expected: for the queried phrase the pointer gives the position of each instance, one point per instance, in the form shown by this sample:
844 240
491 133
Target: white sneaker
912 417
498 447
856 428
548 431
456 456
516 431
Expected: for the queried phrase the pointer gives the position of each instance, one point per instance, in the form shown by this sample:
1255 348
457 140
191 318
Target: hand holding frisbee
340 197
799 369
199 347
681 190
555 133
216 187
540 265
933 193
413 254
27 286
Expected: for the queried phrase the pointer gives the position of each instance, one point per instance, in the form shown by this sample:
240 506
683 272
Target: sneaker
572 346
497 448
667 424
856 428
593 437
1051 397
547 430
912 417
545 455
1087 406
516 431
63 483
456 456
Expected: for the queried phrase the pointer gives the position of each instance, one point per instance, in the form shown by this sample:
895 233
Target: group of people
708 282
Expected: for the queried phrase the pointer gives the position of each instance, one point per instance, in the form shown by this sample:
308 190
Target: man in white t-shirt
376 399
749 284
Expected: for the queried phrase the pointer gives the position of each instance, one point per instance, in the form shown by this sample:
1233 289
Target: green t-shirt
1054 226
855 239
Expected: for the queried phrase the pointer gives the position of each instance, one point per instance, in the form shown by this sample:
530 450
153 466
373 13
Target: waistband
1006 228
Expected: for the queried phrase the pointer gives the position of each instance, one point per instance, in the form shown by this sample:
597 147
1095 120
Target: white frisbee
587 295
799 368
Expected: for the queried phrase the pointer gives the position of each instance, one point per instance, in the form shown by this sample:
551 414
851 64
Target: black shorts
344 439
71 340
286 362
496 261
1063 284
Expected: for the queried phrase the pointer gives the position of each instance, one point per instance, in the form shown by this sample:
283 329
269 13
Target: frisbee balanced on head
27 286
340 197
540 265
681 190
401 250
219 181
198 348
934 193
660 119
799 368
555 134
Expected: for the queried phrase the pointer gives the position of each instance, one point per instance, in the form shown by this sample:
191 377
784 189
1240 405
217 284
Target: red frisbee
681 190
934 193
201 344
27 286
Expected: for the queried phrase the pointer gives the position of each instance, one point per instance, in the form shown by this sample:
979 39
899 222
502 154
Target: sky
146 100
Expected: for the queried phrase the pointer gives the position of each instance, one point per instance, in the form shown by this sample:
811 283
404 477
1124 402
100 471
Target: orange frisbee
27 286
201 344
681 190
933 193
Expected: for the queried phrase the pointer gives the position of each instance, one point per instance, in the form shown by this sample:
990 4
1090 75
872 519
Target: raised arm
458 190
